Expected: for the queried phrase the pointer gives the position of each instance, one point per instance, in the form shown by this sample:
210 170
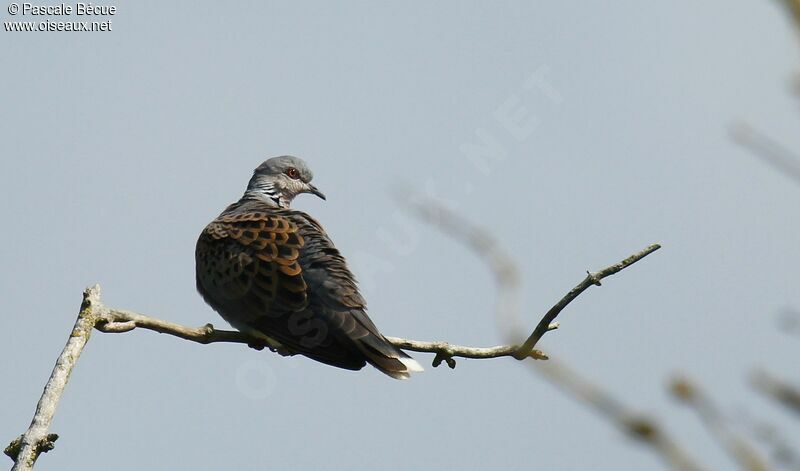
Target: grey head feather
279 165
279 179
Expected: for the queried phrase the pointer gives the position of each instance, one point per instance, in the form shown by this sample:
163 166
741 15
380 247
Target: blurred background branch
645 430
770 151
780 449
793 9
745 454
780 391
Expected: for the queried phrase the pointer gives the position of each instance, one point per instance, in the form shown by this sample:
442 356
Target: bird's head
279 179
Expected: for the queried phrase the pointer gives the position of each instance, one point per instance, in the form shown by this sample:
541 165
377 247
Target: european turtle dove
274 273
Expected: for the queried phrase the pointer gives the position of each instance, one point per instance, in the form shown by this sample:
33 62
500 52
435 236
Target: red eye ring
292 173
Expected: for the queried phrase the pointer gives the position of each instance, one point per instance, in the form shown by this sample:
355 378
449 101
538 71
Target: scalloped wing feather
275 272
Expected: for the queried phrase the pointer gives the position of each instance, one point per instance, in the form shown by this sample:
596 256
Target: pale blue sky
119 147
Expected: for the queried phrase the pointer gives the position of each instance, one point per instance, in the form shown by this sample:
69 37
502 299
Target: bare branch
506 274
37 439
591 279
445 351
119 321
737 447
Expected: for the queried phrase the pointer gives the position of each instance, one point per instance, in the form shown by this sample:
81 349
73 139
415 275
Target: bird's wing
277 273
333 296
252 257
248 269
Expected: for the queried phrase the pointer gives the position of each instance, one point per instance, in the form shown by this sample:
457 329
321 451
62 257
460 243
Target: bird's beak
313 190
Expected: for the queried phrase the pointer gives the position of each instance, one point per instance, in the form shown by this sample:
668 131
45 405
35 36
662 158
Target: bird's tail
387 358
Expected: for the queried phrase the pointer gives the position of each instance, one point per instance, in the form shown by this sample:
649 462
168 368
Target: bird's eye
292 173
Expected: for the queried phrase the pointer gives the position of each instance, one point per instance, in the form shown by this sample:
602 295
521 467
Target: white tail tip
412 365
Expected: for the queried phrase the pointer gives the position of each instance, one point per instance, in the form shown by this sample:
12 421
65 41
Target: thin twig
120 321
37 439
505 271
546 324
445 351
591 279
744 453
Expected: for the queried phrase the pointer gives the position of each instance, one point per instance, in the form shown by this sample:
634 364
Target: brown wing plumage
274 272
250 255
